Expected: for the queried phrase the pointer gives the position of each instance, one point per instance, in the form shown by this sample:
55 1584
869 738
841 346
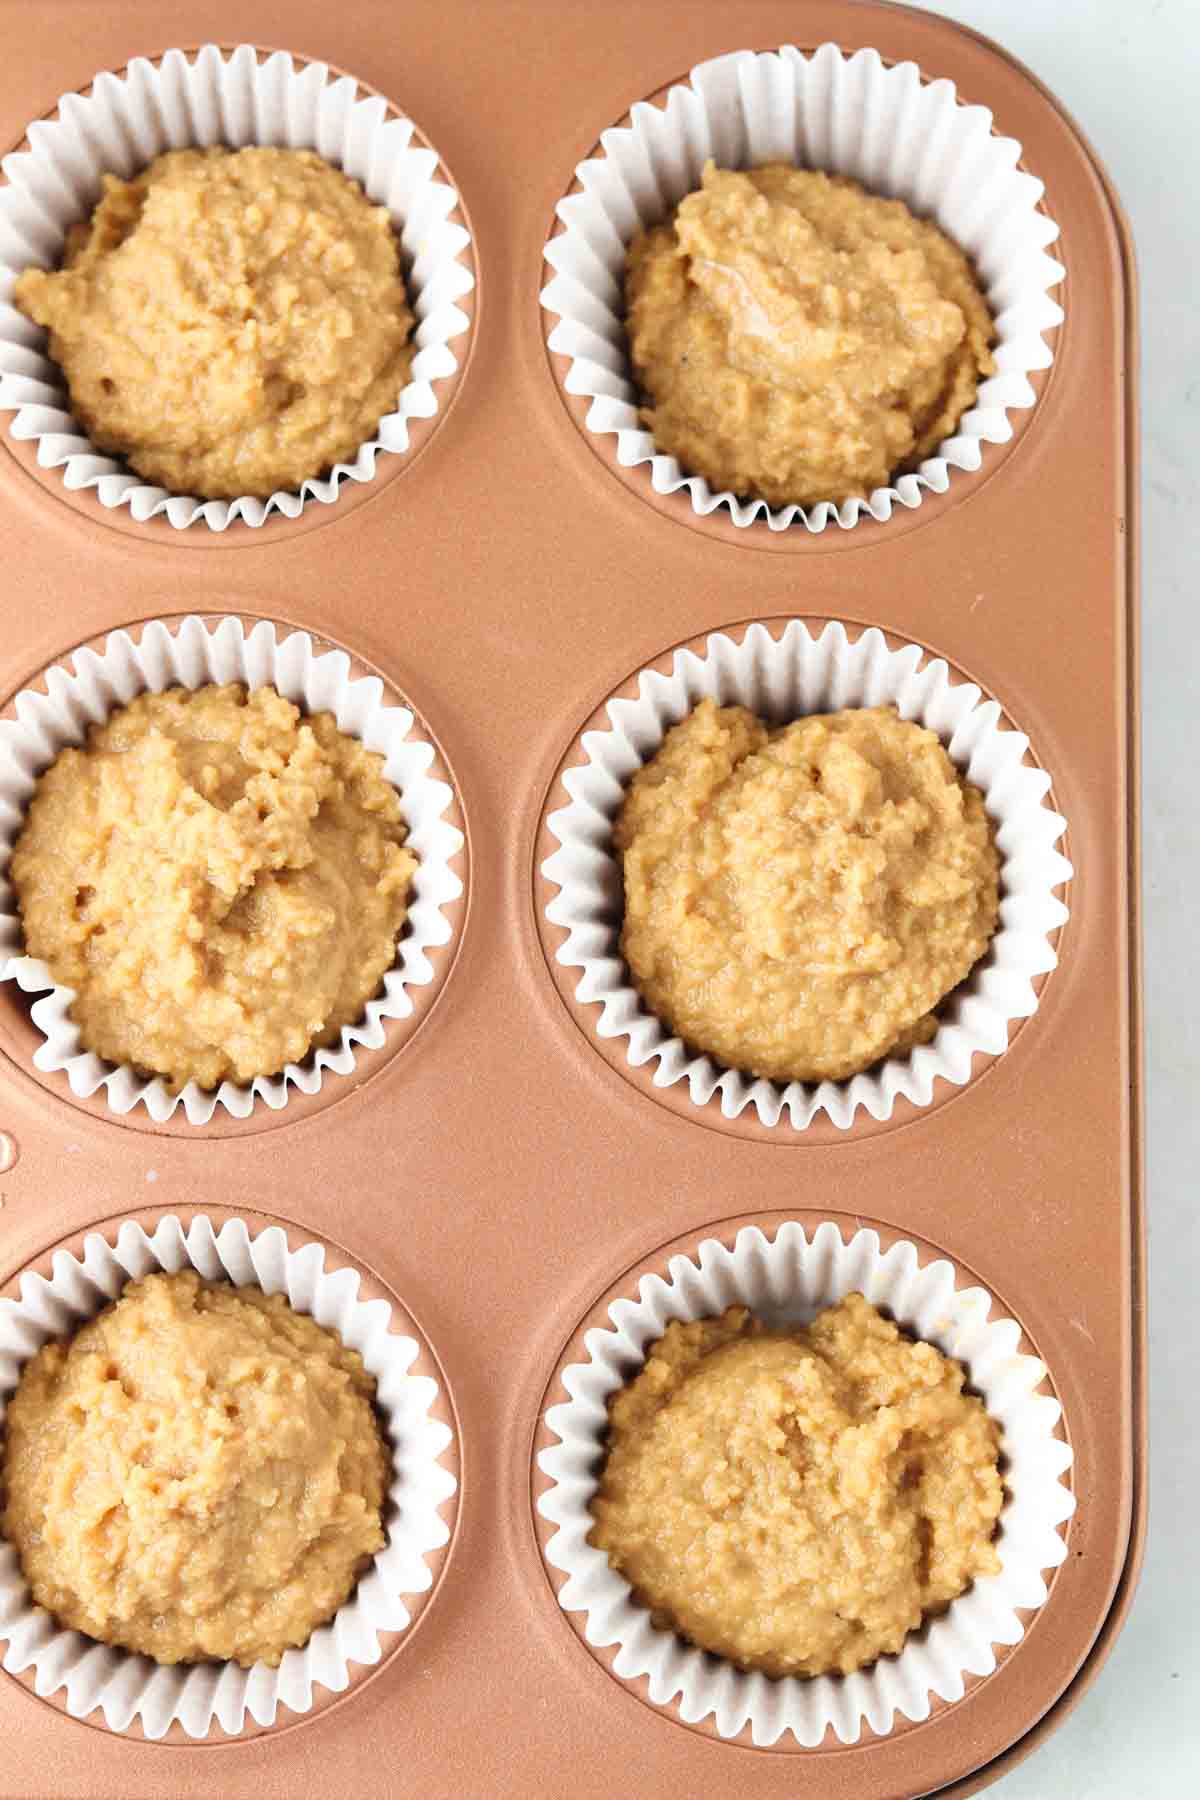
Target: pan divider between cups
125 1687
787 1277
119 126
900 136
192 654
784 674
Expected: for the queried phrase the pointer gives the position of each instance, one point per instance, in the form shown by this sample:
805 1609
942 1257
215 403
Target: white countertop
1129 72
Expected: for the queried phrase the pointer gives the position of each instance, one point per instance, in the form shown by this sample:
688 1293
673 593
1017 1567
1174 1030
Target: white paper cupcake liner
787 1280
190 656
119 126
899 136
783 679
125 1686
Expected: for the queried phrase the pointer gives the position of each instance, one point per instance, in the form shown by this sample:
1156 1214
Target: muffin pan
505 1179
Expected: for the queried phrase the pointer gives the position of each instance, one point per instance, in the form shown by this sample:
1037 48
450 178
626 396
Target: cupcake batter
798 1502
797 902
799 339
220 880
231 321
196 1473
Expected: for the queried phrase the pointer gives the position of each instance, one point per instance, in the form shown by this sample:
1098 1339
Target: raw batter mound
220 880
798 1501
797 902
197 1473
231 321
799 339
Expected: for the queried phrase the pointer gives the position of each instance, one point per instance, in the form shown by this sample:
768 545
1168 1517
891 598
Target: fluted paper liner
782 679
787 1280
124 1686
191 655
898 135
119 126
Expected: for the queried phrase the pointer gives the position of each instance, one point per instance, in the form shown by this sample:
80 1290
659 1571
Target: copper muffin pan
498 1173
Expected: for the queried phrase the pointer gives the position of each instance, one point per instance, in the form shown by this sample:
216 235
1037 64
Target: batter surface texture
230 321
798 901
799 339
220 880
798 1501
197 1473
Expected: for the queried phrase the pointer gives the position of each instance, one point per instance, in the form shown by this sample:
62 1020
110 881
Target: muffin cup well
126 1687
191 655
787 1278
783 678
120 125
897 134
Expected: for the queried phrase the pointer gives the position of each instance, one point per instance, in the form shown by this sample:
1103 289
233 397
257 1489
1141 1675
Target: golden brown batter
220 880
231 321
798 901
196 1473
799 1501
799 339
